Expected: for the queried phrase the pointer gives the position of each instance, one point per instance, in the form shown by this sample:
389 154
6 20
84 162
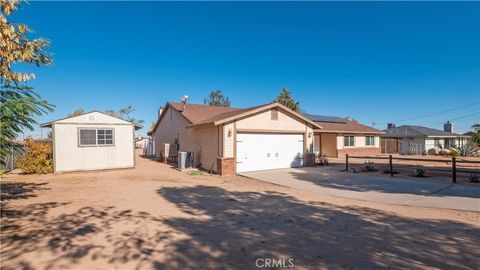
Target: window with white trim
348 140
370 140
96 137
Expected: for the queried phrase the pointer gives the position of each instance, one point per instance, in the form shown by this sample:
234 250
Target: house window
105 136
349 140
88 137
96 137
370 140
274 114
436 143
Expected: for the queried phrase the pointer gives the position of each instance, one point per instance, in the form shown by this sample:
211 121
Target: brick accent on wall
359 151
225 166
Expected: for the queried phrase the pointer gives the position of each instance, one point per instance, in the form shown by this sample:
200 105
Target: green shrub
411 151
37 159
454 153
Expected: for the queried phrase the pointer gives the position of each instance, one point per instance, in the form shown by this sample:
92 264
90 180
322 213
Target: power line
432 114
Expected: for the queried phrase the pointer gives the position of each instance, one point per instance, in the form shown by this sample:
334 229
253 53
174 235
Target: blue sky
378 62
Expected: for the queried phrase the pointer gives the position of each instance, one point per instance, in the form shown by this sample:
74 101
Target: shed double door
257 152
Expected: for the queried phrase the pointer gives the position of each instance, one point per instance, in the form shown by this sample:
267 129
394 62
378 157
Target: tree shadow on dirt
225 229
19 190
234 229
112 237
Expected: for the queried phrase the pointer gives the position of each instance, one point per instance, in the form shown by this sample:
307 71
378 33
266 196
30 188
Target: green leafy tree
216 98
19 102
476 134
123 113
77 112
285 98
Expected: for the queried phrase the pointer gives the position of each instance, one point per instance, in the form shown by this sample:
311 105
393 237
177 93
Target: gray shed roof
416 131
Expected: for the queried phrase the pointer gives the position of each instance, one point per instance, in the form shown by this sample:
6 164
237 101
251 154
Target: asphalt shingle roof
196 113
416 131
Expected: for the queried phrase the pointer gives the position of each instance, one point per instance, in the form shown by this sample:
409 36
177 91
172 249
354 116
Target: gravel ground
154 217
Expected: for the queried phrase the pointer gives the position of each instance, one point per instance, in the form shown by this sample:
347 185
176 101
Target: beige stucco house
340 136
92 141
232 140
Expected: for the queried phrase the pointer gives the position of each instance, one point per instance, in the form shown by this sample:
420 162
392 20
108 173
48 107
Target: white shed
92 141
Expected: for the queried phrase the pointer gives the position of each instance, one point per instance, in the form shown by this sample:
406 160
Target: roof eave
46 125
266 107
202 125
346 131
448 136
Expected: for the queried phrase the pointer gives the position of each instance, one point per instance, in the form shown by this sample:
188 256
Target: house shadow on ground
221 229
243 226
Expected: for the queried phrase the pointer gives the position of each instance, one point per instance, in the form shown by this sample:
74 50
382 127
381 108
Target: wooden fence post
391 165
454 170
346 162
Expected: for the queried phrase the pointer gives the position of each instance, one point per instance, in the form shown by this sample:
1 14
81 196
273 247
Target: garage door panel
268 151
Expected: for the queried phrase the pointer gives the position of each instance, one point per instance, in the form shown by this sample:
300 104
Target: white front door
257 152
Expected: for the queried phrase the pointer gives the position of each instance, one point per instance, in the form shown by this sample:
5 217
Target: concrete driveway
330 181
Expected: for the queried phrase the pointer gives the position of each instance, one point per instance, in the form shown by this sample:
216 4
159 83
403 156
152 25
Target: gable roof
417 131
196 113
202 115
49 124
340 125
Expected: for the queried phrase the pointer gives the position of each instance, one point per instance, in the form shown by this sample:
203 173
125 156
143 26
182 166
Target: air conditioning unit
184 160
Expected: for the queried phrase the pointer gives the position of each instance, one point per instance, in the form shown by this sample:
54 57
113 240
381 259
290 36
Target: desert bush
419 172
411 151
474 177
38 157
466 150
369 166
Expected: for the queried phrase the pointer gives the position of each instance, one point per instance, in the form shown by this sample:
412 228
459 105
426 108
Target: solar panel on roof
322 118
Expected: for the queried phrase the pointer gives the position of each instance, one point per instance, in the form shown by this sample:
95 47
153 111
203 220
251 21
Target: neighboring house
230 140
419 139
140 142
339 136
92 141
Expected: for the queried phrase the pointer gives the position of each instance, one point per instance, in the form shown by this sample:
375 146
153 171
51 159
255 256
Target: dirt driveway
153 217
330 180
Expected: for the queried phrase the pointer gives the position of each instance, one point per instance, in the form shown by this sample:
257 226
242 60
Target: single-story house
419 139
92 141
140 142
340 136
230 140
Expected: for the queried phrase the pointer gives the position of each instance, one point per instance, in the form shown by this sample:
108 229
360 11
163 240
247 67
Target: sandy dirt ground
154 217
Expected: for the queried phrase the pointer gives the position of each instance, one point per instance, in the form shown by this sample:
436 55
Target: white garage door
257 152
